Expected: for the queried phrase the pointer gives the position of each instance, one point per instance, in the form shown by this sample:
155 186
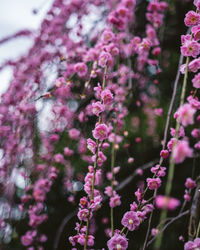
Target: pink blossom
115 201
164 154
192 245
190 184
194 65
197 4
117 242
196 32
108 36
160 172
74 133
197 145
171 144
105 58
81 69
81 240
192 18
130 220
91 145
185 114
107 97
189 47
196 133
187 196
164 202
83 214
101 158
196 81
153 183
97 108
158 111
182 150
130 160
100 132
68 152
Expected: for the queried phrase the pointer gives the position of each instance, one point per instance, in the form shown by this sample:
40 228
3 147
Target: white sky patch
16 15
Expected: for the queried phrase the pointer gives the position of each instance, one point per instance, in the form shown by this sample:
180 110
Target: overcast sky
14 16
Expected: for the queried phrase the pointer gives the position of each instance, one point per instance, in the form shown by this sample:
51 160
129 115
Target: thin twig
169 223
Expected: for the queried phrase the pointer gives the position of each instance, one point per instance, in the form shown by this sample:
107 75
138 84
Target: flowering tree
95 129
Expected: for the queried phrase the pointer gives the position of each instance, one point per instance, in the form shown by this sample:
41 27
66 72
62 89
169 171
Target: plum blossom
181 150
130 220
185 114
117 242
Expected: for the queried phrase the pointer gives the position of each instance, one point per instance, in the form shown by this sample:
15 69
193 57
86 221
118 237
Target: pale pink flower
182 150
185 114
74 133
164 202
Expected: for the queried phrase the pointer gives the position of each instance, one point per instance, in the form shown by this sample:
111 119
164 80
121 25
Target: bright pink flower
101 158
153 183
190 184
164 154
81 69
100 132
196 81
164 202
182 150
27 239
130 220
107 97
192 245
117 242
83 214
185 114
192 18
196 32
97 108
189 46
